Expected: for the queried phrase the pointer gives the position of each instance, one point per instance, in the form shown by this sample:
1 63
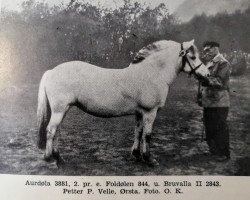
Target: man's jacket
215 91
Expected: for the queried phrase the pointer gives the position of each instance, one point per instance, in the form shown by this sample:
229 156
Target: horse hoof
48 158
56 155
146 157
59 160
137 154
60 163
149 160
153 162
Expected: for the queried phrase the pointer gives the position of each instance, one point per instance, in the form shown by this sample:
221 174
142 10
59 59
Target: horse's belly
104 108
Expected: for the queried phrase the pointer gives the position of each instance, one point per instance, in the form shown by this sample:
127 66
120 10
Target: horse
140 89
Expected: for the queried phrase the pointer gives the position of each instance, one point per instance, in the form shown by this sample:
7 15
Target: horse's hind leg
54 122
55 151
138 135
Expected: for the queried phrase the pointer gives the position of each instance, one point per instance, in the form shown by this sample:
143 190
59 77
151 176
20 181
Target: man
215 101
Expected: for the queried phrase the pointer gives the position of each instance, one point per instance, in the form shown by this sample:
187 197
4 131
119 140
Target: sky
171 4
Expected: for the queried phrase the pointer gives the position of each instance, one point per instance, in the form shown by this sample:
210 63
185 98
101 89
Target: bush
239 65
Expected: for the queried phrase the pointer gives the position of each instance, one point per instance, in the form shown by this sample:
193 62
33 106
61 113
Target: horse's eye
193 57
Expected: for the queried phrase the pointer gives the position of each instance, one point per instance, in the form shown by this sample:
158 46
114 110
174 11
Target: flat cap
210 44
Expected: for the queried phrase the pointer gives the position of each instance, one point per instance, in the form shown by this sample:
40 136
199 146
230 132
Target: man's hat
210 44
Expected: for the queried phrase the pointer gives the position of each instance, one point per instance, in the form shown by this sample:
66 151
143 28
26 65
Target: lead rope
202 118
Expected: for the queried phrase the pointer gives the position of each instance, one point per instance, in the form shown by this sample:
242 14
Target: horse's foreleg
55 121
148 120
138 136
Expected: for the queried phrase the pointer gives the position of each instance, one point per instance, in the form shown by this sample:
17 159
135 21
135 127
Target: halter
183 54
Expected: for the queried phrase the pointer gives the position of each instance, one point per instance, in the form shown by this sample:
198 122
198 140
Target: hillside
189 8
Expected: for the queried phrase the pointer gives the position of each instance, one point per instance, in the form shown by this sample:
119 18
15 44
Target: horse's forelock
187 45
195 49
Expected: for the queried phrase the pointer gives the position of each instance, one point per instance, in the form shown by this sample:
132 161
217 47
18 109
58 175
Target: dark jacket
215 91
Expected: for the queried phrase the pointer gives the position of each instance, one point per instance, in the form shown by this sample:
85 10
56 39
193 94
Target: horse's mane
150 49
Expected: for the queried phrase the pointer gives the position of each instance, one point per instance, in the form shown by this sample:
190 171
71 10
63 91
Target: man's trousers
217 132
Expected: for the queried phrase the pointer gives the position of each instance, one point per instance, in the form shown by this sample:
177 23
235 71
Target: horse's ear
188 44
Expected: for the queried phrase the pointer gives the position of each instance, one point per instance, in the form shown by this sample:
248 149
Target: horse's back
73 69
79 70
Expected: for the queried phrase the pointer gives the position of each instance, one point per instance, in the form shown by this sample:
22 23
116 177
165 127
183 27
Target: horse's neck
170 63
163 66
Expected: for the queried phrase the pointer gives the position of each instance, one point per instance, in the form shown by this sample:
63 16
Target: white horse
140 90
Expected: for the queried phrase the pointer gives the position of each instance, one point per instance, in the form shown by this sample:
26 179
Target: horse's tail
43 113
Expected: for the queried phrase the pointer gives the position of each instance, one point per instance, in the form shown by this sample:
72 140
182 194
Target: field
96 146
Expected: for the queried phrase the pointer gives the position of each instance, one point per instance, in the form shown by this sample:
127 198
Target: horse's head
191 62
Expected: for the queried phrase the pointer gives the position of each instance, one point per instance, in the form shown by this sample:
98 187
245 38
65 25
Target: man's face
210 53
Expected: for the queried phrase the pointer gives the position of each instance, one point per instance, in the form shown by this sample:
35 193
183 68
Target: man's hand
204 81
